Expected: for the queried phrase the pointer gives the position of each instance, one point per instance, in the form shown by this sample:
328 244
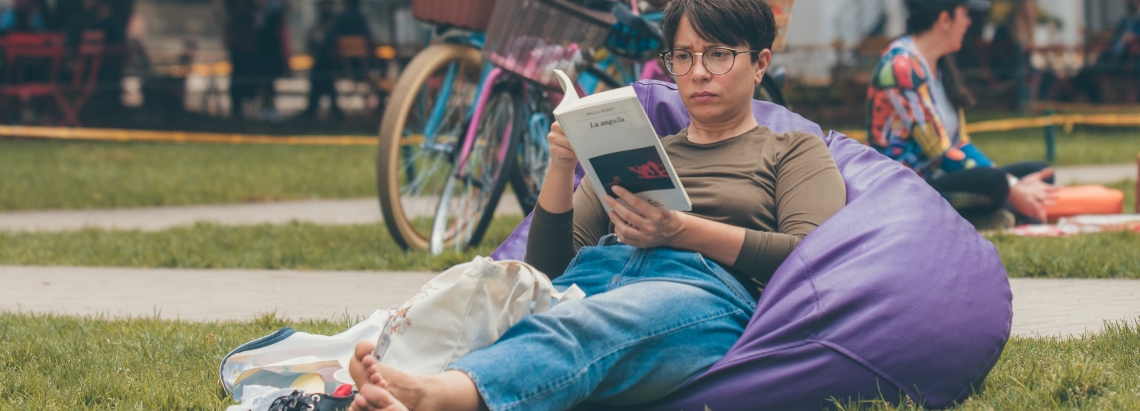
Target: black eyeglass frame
735 52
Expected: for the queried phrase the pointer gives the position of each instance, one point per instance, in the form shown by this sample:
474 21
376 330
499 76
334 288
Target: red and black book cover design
637 170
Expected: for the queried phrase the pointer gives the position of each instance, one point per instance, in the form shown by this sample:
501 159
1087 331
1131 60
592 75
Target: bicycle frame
472 124
472 40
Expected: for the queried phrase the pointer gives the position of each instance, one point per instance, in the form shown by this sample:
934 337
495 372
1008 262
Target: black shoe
299 401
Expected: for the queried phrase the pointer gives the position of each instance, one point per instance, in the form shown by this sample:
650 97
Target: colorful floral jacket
903 118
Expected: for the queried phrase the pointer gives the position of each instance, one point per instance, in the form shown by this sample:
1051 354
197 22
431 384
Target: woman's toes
358 366
378 398
359 404
363 348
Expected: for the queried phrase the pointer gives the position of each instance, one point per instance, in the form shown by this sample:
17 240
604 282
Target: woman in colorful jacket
915 117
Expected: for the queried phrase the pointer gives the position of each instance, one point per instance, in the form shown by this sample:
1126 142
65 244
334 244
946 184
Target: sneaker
299 401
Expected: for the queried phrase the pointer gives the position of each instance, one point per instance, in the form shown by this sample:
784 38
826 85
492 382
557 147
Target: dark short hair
922 14
730 22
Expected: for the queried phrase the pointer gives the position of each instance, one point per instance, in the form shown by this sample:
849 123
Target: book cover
616 145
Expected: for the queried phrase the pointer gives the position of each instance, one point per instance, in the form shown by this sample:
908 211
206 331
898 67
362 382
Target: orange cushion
1087 199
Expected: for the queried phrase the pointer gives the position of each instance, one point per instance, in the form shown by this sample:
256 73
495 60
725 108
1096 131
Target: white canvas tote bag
465 308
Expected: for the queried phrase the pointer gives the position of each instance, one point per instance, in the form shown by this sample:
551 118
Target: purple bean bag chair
895 294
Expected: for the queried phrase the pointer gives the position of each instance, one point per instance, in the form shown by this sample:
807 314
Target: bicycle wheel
533 151
479 176
423 125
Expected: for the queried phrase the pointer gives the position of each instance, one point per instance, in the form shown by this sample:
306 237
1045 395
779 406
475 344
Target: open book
616 145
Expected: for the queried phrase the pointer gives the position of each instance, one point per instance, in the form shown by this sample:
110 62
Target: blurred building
177 32
824 33
168 23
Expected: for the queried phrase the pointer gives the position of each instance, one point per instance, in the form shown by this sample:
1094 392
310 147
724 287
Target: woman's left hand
643 225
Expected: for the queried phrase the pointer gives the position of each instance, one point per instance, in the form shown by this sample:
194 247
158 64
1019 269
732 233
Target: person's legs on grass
979 195
980 190
666 317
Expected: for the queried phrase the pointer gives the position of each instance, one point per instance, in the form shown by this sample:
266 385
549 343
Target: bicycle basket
533 37
467 14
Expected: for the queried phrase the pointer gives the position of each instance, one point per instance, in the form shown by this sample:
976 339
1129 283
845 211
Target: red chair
85 75
26 56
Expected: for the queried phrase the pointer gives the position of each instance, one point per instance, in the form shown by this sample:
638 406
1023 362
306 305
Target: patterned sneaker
299 401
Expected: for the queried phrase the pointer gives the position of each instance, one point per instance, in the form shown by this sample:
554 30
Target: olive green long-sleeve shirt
778 187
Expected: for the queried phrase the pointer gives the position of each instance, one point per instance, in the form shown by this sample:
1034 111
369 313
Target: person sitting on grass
668 293
914 117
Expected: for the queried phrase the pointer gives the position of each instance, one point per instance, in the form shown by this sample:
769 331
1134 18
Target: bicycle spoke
474 184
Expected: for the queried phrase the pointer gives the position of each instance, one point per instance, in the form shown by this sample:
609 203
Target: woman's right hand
557 194
1031 194
561 154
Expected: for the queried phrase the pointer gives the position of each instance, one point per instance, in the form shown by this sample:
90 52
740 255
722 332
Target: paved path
203 295
353 211
1041 307
1052 307
1099 174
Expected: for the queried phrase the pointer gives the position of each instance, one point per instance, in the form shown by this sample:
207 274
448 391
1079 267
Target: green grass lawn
1129 189
368 247
1095 372
1103 255
287 246
75 175
1085 145
54 174
65 363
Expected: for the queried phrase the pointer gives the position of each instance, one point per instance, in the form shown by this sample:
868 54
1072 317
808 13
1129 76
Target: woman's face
958 26
717 98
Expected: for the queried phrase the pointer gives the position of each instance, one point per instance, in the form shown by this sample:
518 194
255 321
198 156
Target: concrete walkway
1041 307
1099 174
204 295
352 211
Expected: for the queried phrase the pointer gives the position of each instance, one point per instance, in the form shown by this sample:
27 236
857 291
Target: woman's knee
974 191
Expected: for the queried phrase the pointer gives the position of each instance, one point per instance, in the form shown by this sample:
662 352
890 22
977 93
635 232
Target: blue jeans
652 320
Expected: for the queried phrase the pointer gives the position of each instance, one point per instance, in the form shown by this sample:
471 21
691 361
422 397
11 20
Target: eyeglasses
717 60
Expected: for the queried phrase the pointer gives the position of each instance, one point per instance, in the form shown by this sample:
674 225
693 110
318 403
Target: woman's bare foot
376 397
374 393
383 388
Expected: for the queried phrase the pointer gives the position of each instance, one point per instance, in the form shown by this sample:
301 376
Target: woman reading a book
668 292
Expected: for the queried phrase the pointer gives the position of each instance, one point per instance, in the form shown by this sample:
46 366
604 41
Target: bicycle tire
411 170
476 182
